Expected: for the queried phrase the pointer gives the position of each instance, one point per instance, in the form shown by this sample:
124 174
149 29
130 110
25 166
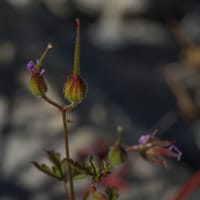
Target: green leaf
58 170
79 170
106 168
47 170
95 170
55 158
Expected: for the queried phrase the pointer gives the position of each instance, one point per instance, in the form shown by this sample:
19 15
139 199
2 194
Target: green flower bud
75 89
117 154
38 85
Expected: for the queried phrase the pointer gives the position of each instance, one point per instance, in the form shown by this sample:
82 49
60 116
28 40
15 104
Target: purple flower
36 67
31 66
144 139
37 83
153 149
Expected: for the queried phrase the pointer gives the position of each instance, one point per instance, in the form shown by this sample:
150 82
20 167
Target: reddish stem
188 187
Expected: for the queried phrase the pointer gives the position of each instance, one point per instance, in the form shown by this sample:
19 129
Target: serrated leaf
59 167
42 167
95 170
47 170
54 171
106 168
54 157
79 170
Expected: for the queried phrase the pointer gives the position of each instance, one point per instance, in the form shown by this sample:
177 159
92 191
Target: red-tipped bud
75 89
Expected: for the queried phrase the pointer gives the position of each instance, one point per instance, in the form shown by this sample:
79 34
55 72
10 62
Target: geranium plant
99 171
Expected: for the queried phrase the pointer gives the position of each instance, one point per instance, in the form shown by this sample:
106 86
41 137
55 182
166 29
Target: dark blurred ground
125 47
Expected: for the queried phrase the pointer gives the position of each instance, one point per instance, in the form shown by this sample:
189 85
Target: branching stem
63 110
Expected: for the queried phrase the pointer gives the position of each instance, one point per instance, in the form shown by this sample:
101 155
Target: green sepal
75 89
38 85
117 154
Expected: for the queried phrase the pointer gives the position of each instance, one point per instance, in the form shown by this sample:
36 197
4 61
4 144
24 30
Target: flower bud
153 149
75 89
117 154
38 85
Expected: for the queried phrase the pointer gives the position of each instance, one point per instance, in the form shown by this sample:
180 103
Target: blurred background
141 61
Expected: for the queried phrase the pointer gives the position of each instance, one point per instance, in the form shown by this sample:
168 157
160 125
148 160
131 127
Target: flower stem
71 186
53 103
63 110
66 189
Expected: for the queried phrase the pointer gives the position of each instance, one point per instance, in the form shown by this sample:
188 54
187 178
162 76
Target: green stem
71 186
76 67
63 110
39 63
53 103
66 189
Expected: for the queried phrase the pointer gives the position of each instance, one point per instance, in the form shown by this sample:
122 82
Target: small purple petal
174 149
42 71
30 66
144 139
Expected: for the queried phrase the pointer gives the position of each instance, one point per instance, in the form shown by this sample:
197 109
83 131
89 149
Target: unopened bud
75 89
117 154
38 85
